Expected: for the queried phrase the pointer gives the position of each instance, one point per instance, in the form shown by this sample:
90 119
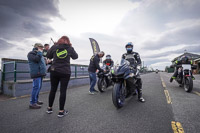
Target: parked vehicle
104 79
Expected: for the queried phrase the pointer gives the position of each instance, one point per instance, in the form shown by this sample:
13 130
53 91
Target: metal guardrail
15 72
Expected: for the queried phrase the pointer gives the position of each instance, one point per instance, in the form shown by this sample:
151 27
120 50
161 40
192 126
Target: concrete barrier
24 87
16 79
1 83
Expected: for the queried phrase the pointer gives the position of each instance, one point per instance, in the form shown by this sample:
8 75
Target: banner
95 46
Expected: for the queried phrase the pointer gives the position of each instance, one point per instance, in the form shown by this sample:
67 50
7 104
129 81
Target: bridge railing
16 70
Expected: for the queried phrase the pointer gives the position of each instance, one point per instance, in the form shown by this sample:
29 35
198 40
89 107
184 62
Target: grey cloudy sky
160 29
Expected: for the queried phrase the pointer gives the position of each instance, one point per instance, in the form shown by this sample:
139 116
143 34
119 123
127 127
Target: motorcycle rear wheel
188 85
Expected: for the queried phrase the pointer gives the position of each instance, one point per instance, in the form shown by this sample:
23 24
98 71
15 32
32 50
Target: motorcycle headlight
131 74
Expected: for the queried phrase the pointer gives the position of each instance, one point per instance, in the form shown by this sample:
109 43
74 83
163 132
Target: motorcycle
184 77
156 71
104 79
124 78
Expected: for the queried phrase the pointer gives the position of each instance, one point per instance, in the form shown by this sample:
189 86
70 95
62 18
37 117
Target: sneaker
49 110
39 102
171 79
34 106
61 114
91 93
141 99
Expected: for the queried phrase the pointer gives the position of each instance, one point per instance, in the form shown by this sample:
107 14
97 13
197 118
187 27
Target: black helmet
184 59
108 56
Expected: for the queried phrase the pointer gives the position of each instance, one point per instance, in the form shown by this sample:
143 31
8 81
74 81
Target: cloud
150 22
190 49
188 34
5 45
159 29
26 18
148 62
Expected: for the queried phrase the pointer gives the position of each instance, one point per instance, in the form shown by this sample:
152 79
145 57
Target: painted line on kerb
13 98
24 96
195 92
169 101
177 127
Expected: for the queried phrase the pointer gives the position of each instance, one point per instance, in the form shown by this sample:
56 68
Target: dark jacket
61 58
94 64
133 58
180 62
108 62
45 53
36 63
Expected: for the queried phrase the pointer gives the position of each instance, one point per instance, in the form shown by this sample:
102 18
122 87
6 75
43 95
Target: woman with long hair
60 71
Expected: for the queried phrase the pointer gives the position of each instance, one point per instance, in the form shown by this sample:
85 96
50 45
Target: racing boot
174 76
171 79
139 91
193 78
140 98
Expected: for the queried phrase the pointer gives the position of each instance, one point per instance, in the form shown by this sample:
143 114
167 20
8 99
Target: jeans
93 79
37 84
55 78
40 89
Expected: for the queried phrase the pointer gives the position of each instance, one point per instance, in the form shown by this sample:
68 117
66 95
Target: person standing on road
60 71
37 71
93 66
134 59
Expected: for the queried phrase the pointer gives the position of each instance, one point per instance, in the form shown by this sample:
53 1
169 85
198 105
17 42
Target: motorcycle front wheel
118 95
188 85
101 84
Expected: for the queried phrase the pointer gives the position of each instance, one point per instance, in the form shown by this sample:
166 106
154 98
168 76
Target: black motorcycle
184 77
104 79
124 78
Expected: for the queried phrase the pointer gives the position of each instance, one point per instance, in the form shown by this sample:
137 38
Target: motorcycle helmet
108 57
129 47
184 59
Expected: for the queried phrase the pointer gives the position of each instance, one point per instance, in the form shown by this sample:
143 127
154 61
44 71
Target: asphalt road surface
168 109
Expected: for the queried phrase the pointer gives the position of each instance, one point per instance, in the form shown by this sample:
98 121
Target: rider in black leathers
178 63
108 61
134 59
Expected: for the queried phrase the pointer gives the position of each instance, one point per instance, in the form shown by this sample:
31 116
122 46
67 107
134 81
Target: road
168 108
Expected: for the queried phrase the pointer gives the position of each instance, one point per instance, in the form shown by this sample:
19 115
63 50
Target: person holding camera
37 72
